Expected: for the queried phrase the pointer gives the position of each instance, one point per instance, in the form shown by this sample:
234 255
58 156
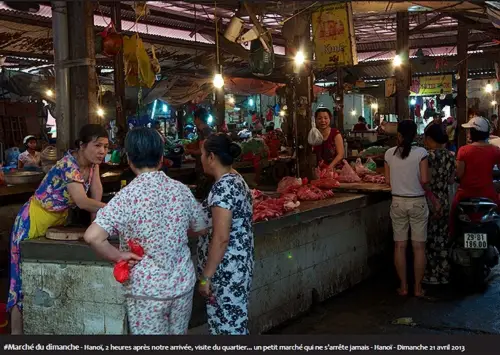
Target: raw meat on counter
347 174
273 208
325 183
257 195
376 179
325 172
362 170
288 182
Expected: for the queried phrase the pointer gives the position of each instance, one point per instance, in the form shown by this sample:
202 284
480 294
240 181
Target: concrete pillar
403 71
61 55
462 44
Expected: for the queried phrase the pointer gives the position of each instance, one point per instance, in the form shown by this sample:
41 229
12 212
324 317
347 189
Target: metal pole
295 126
61 54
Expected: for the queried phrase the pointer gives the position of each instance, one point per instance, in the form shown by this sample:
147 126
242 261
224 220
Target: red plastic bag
135 248
121 271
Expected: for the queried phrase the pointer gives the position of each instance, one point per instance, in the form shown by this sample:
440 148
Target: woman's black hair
408 130
144 147
436 133
361 119
90 133
323 109
477 136
223 148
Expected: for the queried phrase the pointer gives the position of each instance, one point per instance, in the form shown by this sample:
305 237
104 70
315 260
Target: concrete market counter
324 248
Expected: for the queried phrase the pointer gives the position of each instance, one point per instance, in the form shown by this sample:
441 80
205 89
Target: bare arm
78 195
339 147
20 164
222 219
97 237
424 172
96 187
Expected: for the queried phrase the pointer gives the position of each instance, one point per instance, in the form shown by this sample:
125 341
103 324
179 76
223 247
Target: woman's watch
204 280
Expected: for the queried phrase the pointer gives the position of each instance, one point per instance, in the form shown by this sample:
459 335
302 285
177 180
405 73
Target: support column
61 54
180 122
403 72
462 44
299 100
220 108
119 72
339 101
84 102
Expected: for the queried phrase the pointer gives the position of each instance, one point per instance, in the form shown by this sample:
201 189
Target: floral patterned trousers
159 317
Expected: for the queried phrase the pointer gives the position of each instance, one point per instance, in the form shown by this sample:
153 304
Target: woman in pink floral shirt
157 212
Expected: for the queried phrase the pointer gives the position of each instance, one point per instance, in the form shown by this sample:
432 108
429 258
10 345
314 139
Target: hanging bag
314 137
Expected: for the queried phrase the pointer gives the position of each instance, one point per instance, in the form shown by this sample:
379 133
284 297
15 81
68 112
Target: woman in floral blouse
226 255
156 212
442 168
65 186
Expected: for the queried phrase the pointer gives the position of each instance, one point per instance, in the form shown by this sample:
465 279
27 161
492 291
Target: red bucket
4 319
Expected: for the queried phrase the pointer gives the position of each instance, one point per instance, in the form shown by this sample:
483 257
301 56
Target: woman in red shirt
331 151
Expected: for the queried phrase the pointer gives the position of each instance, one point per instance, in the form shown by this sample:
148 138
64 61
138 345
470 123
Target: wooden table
362 187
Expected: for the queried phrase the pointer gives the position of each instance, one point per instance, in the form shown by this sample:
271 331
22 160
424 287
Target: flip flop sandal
402 292
421 294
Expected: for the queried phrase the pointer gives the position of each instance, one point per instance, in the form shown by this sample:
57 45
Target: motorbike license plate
475 241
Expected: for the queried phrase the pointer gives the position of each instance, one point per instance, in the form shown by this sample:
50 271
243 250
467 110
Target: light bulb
493 103
165 108
210 119
282 113
231 100
300 58
353 112
218 81
250 102
488 88
49 93
397 61
374 106
100 112
413 102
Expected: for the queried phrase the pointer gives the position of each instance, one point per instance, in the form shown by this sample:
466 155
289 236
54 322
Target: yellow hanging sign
432 85
333 35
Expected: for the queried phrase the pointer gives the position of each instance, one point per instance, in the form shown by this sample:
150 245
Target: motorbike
476 240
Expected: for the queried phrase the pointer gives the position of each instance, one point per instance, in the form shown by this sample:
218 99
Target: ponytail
408 130
404 148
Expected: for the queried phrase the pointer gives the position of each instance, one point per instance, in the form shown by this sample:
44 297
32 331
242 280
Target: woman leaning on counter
65 186
331 152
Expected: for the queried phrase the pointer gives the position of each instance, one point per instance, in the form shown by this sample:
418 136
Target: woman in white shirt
407 171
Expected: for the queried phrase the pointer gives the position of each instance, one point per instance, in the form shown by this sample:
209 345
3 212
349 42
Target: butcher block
65 233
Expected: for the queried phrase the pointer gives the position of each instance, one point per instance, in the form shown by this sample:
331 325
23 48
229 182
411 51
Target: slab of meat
287 182
377 179
347 174
326 183
270 208
362 170
309 193
257 195
324 172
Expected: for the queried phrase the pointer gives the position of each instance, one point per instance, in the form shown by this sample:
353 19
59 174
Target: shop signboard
432 85
333 35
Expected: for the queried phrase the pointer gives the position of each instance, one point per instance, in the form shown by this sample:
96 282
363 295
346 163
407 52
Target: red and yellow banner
333 35
432 85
